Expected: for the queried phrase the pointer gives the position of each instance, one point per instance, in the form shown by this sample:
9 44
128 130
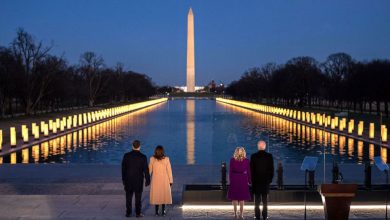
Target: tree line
32 79
340 83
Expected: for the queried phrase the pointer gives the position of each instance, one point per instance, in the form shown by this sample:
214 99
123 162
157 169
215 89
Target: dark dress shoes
128 215
139 215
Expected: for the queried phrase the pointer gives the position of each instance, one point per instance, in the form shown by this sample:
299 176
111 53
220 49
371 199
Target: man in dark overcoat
134 171
262 170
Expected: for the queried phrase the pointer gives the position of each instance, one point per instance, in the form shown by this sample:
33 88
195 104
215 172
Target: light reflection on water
190 124
196 132
290 142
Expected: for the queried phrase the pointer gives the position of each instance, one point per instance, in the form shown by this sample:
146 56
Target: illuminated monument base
184 88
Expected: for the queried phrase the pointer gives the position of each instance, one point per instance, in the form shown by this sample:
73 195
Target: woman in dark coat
239 179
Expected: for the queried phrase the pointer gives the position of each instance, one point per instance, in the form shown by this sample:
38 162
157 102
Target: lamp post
324 150
1 140
383 167
223 176
385 170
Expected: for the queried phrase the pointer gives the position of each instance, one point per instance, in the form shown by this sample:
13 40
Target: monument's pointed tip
190 11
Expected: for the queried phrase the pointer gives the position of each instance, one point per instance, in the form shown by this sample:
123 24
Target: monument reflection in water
196 132
190 111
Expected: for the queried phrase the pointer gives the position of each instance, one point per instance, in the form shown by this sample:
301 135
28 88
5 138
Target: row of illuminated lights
305 132
54 126
57 145
314 118
310 134
25 154
54 146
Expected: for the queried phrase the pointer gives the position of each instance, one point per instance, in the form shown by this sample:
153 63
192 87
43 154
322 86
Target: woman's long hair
159 152
239 154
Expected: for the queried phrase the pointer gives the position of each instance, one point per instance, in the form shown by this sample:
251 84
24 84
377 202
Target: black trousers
129 201
261 197
162 209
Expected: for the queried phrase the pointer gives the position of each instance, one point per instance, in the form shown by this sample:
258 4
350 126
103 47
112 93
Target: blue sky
230 36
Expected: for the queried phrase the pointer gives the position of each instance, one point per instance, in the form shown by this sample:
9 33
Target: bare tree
268 69
32 79
337 66
29 54
91 67
8 69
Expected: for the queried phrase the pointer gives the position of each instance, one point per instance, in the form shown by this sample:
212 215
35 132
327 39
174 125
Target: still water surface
196 132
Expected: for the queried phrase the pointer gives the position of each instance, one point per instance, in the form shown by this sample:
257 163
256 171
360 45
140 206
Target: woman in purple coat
239 179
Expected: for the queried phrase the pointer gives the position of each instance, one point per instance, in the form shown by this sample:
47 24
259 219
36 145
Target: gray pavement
94 191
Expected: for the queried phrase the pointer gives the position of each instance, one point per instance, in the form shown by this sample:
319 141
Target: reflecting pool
197 132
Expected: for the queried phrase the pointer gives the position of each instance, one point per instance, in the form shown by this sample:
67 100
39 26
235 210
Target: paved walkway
112 207
80 200
71 191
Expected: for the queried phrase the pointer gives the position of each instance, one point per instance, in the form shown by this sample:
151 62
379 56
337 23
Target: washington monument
190 53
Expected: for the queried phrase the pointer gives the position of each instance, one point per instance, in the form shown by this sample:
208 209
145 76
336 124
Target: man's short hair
136 144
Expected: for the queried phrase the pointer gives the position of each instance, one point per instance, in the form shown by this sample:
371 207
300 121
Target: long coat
239 179
134 171
160 189
262 170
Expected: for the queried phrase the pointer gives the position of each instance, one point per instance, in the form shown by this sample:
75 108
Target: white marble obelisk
190 53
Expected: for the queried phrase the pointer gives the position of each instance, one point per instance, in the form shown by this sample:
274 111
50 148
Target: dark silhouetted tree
91 67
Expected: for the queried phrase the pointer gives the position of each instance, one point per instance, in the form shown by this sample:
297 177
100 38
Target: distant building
184 88
212 86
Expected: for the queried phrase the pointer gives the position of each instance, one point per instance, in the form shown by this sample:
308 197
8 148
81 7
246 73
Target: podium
337 199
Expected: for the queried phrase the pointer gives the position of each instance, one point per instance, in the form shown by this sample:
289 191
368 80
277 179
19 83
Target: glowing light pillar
371 133
12 137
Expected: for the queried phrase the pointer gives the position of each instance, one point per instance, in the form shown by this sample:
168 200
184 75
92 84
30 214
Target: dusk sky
230 36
